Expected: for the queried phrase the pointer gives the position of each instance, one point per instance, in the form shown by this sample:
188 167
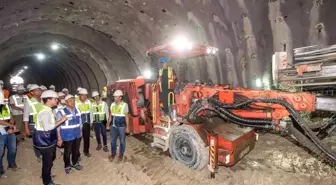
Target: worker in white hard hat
76 95
69 133
30 110
61 102
52 87
45 134
65 91
7 137
120 125
43 88
85 107
16 103
100 116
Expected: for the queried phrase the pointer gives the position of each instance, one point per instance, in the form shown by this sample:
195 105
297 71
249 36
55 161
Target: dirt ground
274 161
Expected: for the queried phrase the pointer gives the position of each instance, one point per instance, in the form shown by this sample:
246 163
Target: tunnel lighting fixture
54 46
25 67
40 56
147 74
258 82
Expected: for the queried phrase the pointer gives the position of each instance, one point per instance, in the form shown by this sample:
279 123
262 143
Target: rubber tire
200 150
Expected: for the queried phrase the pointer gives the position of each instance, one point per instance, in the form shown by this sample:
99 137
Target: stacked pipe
312 54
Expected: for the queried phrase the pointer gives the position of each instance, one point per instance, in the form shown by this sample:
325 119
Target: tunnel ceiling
106 40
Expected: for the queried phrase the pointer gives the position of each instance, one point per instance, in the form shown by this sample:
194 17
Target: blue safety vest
118 115
41 137
70 129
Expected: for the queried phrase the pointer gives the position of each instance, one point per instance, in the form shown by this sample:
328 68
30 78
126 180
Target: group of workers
61 120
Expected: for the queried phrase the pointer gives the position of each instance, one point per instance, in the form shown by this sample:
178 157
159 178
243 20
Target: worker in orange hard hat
166 81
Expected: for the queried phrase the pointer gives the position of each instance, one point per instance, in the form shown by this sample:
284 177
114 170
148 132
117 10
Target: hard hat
2 98
20 88
49 94
28 86
163 60
65 90
68 97
78 89
52 87
33 87
83 91
61 94
118 93
95 93
43 88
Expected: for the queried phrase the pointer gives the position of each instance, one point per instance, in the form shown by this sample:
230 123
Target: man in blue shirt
70 133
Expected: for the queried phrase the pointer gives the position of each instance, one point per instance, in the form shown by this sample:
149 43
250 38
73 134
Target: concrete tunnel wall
106 40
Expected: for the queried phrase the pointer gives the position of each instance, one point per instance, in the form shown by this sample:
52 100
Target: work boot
77 166
87 154
68 170
13 167
111 157
3 174
99 147
105 149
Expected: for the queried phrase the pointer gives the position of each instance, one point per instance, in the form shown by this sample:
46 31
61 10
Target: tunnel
102 41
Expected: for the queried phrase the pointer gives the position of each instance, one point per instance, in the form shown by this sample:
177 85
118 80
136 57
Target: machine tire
187 147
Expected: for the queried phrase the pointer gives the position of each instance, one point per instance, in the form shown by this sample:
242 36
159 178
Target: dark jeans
37 152
48 157
100 128
8 141
86 137
115 133
71 148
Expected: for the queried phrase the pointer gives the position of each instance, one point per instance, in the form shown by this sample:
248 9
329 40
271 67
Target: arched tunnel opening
259 49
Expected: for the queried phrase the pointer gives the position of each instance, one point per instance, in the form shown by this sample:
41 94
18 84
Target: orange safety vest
29 95
170 78
6 95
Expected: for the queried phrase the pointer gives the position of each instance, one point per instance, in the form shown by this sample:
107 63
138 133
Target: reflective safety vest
35 108
84 110
118 116
4 116
70 129
19 103
76 98
41 137
6 95
98 111
170 78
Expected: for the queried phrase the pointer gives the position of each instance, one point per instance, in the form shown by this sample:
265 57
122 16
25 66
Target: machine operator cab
177 53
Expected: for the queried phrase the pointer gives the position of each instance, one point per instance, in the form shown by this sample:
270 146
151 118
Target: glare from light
147 74
214 50
208 50
21 71
16 80
181 43
258 82
190 46
40 56
54 46
25 67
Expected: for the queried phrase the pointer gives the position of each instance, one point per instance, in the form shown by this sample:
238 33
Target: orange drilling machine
214 124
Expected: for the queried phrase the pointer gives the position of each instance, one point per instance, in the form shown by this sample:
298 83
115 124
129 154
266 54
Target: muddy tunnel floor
275 160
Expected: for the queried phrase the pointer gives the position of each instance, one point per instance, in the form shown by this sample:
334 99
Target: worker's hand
27 132
64 118
59 143
11 121
107 127
127 130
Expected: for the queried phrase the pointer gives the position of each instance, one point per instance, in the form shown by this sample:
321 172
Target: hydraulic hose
293 113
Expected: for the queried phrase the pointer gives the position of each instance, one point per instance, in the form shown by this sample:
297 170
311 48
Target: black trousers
86 137
165 100
48 157
71 148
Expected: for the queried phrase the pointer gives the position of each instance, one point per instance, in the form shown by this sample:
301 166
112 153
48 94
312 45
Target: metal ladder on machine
161 131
